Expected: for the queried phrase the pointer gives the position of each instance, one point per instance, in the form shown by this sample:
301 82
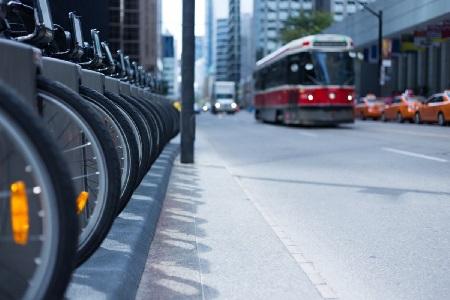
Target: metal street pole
187 84
379 16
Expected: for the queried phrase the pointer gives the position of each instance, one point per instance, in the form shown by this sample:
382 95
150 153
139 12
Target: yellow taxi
435 110
369 107
403 108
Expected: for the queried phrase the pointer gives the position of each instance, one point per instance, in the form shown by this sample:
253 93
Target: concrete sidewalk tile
212 242
114 271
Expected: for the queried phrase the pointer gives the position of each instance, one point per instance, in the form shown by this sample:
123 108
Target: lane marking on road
308 134
402 132
413 154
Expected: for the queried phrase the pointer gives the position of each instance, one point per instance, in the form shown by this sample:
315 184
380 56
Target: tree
305 24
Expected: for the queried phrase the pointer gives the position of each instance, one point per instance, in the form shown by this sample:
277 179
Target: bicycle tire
155 116
128 135
63 216
106 215
153 128
141 124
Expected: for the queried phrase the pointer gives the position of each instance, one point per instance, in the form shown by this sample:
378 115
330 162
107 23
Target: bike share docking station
73 75
62 71
19 64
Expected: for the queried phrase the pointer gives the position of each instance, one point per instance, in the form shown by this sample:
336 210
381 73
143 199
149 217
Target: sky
172 16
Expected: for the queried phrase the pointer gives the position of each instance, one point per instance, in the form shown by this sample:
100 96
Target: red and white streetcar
310 81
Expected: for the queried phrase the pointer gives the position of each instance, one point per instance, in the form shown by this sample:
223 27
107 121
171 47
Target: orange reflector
19 213
82 201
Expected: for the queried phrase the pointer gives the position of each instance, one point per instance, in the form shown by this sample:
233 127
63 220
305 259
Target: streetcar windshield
322 68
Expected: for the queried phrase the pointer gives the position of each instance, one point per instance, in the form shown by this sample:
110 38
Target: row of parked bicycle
79 130
406 107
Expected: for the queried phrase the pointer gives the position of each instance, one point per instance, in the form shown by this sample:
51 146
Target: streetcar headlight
217 105
233 105
332 96
310 97
350 98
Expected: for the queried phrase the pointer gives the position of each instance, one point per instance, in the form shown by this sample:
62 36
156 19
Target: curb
115 269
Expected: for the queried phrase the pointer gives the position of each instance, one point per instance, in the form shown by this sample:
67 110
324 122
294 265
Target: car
197 108
206 107
403 108
225 106
369 107
435 110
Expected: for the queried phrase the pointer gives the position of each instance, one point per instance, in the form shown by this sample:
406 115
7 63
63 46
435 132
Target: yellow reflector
19 213
82 201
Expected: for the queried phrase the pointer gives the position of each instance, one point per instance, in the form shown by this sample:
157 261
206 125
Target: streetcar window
259 80
302 75
276 75
321 68
334 67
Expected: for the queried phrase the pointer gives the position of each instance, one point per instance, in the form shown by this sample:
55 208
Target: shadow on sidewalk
174 269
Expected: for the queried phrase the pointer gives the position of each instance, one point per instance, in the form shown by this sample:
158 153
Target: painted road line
308 134
413 154
413 133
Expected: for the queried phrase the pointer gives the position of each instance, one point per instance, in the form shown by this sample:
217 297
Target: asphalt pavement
360 211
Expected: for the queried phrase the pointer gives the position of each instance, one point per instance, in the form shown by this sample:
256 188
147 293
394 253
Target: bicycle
38 223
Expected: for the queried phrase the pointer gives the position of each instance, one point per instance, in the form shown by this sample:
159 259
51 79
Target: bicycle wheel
143 133
38 224
154 129
123 138
91 157
159 117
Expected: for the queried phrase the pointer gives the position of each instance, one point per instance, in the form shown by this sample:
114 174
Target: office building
416 47
247 60
222 48
199 47
169 62
94 15
269 17
234 44
135 27
209 40
344 8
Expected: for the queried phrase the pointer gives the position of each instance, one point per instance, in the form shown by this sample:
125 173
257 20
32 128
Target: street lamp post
187 85
379 16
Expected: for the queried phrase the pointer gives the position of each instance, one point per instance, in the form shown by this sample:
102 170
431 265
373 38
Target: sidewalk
211 241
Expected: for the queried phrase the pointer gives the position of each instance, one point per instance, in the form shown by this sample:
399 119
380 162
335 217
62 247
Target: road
368 204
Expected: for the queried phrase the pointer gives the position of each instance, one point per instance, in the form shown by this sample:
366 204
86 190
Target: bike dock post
135 91
65 72
68 74
18 68
93 80
112 85
125 89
